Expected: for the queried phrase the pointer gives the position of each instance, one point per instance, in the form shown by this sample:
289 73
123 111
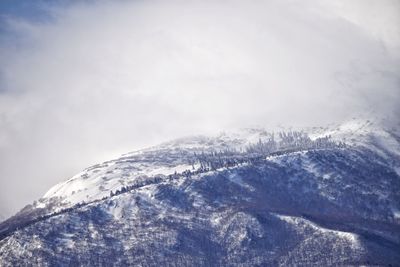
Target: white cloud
105 78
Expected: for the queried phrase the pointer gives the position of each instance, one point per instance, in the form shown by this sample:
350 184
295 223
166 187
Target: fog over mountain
85 81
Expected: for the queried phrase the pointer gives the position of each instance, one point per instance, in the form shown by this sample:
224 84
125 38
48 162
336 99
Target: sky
82 82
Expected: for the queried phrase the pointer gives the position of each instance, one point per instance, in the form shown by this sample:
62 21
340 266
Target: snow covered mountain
322 196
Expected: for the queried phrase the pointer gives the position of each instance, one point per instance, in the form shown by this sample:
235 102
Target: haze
83 82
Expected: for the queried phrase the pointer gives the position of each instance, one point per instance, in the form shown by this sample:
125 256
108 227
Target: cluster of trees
139 182
22 224
291 141
215 160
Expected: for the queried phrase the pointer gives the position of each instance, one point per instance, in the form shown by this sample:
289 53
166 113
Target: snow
234 177
96 182
147 212
198 200
361 132
67 242
303 224
396 213
148 191
167 170
121 206
397 170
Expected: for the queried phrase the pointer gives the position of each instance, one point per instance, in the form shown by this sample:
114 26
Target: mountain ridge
343 197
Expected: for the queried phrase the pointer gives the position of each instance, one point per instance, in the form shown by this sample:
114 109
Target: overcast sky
84 81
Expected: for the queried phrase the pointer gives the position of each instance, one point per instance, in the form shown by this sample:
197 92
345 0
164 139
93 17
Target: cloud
96 79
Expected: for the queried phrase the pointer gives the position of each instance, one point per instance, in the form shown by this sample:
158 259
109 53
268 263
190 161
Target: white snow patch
397 170
234 177
352 238
165 170
67 240
312 168
198 200
396 213
216 219
148 190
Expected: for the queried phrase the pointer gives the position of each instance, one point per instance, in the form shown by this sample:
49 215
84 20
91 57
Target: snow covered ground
334 205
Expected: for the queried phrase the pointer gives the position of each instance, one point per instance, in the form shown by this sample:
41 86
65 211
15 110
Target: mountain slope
234 199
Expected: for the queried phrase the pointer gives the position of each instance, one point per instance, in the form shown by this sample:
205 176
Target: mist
84 82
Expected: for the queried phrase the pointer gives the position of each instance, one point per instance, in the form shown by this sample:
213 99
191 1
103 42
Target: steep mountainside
244 198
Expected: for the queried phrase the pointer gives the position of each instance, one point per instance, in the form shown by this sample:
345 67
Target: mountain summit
320 196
